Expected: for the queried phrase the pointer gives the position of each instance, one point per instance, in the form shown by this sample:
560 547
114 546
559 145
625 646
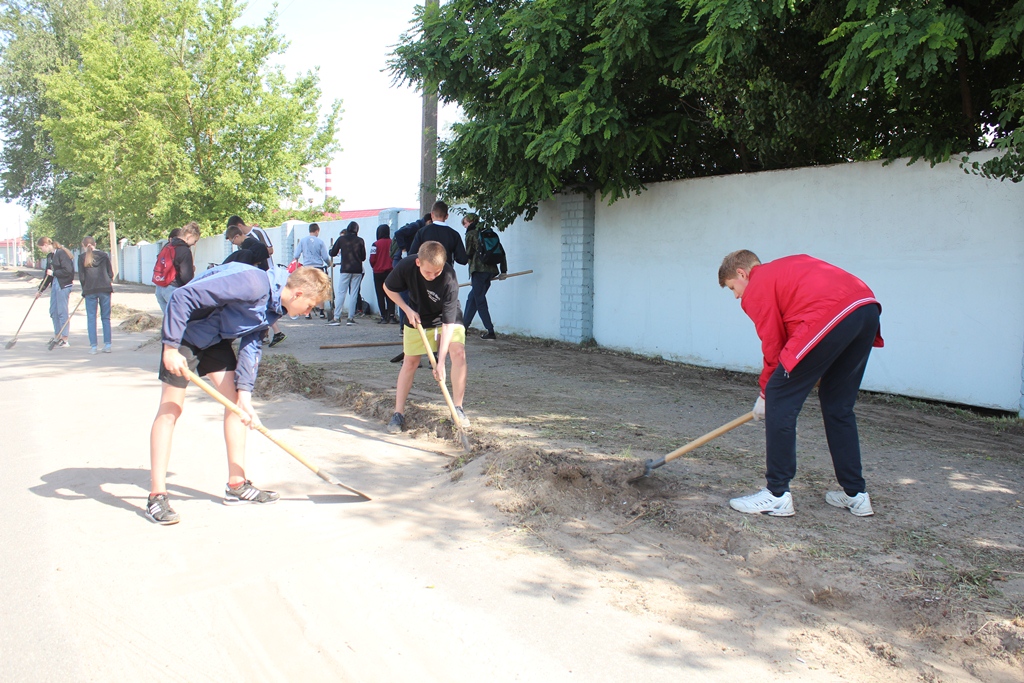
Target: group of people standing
96 275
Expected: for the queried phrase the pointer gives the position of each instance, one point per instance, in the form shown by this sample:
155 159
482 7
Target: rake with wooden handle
219 397
14 341
652 465
444 390
53 342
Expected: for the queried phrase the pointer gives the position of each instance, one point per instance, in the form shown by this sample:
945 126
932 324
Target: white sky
379 165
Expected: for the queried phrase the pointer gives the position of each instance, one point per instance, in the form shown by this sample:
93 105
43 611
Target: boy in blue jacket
231 301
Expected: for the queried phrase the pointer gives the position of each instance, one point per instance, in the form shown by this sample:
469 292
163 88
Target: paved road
424 583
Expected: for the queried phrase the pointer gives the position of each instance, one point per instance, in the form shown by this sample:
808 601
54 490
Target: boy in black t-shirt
433 292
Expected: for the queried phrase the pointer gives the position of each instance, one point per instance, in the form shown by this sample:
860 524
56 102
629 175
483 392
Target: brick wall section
577 285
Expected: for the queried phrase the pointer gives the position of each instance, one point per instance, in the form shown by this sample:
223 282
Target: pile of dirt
140 321
280 374
422 421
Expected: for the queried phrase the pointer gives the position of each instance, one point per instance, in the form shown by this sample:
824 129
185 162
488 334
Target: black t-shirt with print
436 301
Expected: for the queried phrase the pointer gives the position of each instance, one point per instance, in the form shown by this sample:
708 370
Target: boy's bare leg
405 378
171 401
234 430
457 352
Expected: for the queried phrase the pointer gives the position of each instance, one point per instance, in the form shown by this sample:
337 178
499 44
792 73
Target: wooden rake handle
710 436
507 276
219 397
444 389
68 321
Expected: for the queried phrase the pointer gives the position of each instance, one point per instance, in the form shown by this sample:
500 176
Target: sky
379 131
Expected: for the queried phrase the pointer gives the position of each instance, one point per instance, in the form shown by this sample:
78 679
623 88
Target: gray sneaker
247 493
397 424
158 509
462 416
859 505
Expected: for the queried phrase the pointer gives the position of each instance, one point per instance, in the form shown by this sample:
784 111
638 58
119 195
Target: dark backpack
488 247
403 238
164 272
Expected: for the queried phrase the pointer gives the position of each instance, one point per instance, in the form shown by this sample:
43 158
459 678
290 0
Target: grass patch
283 374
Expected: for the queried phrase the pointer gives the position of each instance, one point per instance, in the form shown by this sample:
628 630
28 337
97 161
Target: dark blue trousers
477 301
839 361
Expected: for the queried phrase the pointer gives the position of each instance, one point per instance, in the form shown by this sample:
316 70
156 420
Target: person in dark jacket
817 323
60 273
250 251
182 239
437 231
400 243
480 276
403 237
380 261
231 301
353 252
96 275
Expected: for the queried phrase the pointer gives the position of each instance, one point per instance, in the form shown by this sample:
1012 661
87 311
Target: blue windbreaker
232 301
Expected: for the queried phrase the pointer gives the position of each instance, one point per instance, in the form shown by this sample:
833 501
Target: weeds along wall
942 250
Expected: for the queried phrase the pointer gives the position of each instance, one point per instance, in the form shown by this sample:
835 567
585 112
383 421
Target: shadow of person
86 483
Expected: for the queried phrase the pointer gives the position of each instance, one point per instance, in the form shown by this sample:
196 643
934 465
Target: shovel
652 465
444 390
219 397
53 342
14 341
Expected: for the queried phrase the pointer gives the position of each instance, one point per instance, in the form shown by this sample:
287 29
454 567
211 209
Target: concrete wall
942 250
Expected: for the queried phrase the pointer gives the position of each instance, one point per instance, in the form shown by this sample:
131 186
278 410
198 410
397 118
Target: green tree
604 96
167 111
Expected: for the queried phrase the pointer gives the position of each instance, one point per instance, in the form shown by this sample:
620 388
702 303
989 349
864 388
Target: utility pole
428 147
113 247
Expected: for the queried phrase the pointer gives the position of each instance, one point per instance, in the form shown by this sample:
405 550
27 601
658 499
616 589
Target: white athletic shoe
764 503
859 505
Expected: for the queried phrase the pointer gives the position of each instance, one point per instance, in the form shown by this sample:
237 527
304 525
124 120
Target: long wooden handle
444 389
360 346
710 436
68 321
219 397
507 276
34 299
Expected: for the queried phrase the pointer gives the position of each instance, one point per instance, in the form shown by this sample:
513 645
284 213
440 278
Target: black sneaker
350 321
397 424
158 509
278 338
488 335
247 493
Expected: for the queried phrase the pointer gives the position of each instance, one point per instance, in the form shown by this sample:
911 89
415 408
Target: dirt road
529 561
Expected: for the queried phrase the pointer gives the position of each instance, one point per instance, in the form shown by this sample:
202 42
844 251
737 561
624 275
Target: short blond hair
433 253
312 281
190 229
744 258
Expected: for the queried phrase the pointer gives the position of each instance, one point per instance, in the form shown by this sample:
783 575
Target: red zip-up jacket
794 302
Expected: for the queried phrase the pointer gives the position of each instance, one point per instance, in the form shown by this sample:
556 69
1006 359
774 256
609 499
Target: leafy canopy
604 96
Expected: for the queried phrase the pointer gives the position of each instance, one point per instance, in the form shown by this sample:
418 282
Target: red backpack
164 271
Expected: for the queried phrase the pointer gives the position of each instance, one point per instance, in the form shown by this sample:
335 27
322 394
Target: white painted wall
943 252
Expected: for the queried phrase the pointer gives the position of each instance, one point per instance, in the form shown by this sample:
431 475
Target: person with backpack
96 275
175 266
380 261
486 256
353 252
60 273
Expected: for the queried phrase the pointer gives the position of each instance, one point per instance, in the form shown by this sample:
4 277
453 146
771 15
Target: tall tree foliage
169 111
603 96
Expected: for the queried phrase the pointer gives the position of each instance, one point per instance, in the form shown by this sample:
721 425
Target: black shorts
217 358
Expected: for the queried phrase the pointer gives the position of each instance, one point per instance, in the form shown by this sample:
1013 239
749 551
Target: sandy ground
530 559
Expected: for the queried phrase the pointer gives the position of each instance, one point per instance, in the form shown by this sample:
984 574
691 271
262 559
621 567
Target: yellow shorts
412 343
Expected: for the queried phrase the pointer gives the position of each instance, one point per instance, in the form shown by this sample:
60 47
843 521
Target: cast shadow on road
86 483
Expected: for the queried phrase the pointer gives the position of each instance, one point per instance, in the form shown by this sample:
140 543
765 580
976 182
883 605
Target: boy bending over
231 301
816 322
433 293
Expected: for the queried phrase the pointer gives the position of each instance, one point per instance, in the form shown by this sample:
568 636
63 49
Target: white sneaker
859 505
764 503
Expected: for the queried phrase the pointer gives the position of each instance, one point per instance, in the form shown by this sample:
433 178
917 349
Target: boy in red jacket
816 322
